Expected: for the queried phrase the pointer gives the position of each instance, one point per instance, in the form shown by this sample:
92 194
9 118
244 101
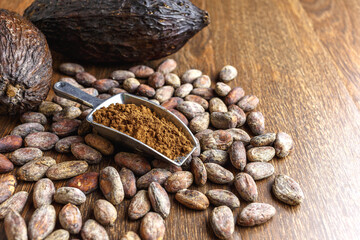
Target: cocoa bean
197 150
131 85
16 202
248 103
255 214
59 234
99 143
199 171
215 156
42 222
256 122
63 145
15 226
172 80
92 91
203 133
111 186
5 164
266 139
156 80
172 103
35 169
130 235
228 73
85 127
71 81
65 127
146 91
49 108
259 170
121 75
190 109
283 144
93 230
237 154
178 180
234 96
186 164
70 218
192 199
70 112
152 227
115 91
217 105
155 175
165 165
64 102
142 71
25 155
183 90
164 93
26 128
129 182
180 116
33 117
42 140
86 182
190 75
10 143
222 89
219 197
200 122
104 96
105 213
239 135
218 174
167 66
86 153
222 222
260 154
241 116
155 101
246 187
104 85
135 162
223 120
72 195
85 78
198 99
219 139
7 187
203 81
287 190
139 205
44 191
66 170
71 69
159 199
206 93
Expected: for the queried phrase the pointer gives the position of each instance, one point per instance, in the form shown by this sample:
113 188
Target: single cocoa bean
105 213
85 78
5 164
287 190
142 71
71 69
66 170
70 112
203 133
217 156
223 120
200 122
15 226
266 139
26 128
129 182
237 154
190 109
72 195
156 80
135 162
159 199
222 89
219 197
7 187
199 171
206 93
255 214
104 85
222 222
256 122
178 180
33 117
59 234
165 165
180 116
219 139
115 91
260 154
248 103
35 169
111 186
152 227
283 144
259 170
92 91
130 235
44 191
183 90
71 81
93 230
234 96
99 143
63 145
64 102
10 143
155 175
241 116
49 108
164 93
218 174
190 75
239 135
42 140
65 127
16 202
104 96
70 218
145 90
192 199
203 81
167 66
172 80
42 222
172 103
121 75
131 85
198 99
86 153
25 155
228 73
217 105
246 187
139 205
86 182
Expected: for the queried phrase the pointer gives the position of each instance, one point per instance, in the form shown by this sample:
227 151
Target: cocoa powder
144 125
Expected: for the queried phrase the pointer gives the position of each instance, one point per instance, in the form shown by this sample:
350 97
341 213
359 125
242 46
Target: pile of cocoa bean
218 117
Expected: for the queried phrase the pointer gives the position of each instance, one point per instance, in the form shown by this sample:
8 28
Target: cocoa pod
142 71
223 120
203 81
15 226
156 80
192 199
145 90
64 144
105 213
152 227
66 170
237 154
25 155
219 139
44 191
71 81
218 174
65 127
172 103
104 85
121 75
93 230
266 139
167 66
256 122
228 73
70 218
197 99
130 235
172 80
159 199
7 187
71 69
287 190
222 89
59 234
155 175
183 90
99 143
165 165
190 109
10 143
260 154
5 164
129 182
24 129
49 108
16 202
42 222
217 105
164 93
222 222
180 116
219 197
178 180
199 171
248 103
239 135
190 75
86 182
86 153
259 170
241 116
111 186
36 169
42 140
140 205
255 214
33 117
234 95
200 122
72 195
215 156
246 187
283 144
135 162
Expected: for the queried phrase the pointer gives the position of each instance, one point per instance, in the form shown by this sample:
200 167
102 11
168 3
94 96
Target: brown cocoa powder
144 125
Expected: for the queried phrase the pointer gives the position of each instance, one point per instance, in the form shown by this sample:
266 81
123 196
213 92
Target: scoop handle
66 90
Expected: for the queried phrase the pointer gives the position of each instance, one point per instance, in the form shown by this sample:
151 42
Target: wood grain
300 59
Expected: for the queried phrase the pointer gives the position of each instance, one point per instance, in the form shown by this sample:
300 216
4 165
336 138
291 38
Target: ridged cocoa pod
152 227
192 199
155 175
93 230
42 222
25 75
222 222
129 182
178 180
72 195
16 202
139 205
219 197
135 162
66 170
246 187
199 171
43 193
111 186
159 199
15 226
255 214
105 213
86 182
36 169
99 143
10 143
70 218
7 187
5 164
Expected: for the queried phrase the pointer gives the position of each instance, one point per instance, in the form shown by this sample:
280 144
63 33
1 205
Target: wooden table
302 59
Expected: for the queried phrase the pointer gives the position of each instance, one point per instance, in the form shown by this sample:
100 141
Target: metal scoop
68 91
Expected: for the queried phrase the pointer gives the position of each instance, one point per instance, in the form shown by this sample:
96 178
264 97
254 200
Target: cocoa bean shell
16 202
111 186
42 222
222 89
15 226
183 90
190 109
42 140
72 195
159 199
190 75
140 205
152 227
86 182
135 162
222 222
93 230
164 93
241 116
36 169
155 175
86 153
121 75
85 127
203 81
217 105
64 102
99 143
192 199
246 187
178 180
219 197
255 214
129 182
145 90
115 91
239 135
199 171
71 81
223 120
7 187
218 174
200 122
228 73
24 129
172 80
66 170
49 108
10 143
64 144
43 193
70 218
5 164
